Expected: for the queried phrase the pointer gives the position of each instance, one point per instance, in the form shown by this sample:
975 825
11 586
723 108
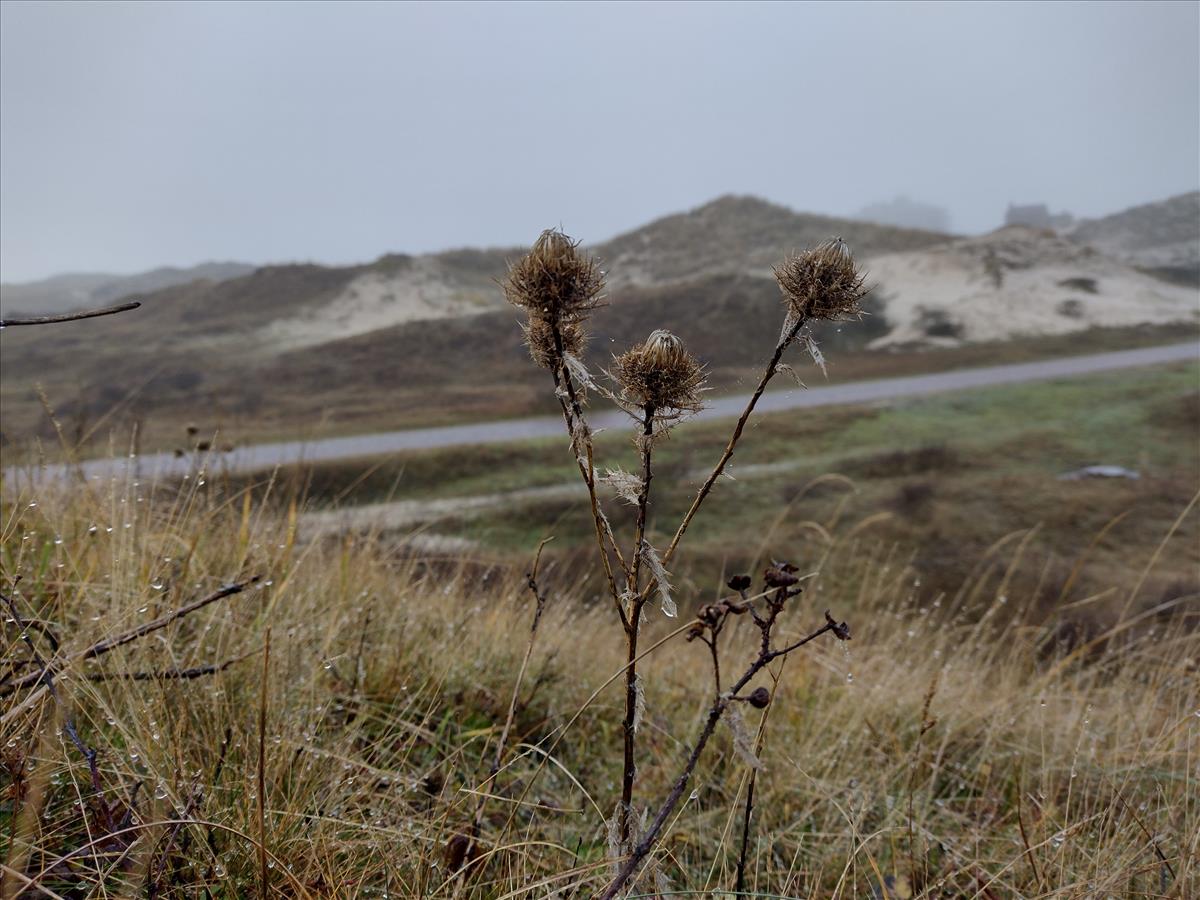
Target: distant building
1037 215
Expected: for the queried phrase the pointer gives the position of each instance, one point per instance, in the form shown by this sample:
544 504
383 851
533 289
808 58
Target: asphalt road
267 456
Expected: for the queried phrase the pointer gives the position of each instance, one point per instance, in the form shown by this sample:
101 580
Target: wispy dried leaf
627 485
639 705
743 743
788 370
662 581
815 352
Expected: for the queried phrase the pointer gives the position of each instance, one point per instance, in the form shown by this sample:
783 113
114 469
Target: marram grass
954 749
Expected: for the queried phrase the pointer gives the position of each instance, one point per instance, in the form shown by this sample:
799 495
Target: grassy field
960 745
940 478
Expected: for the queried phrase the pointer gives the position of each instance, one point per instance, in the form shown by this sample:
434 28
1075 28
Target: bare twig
71 317
160 863
263 884
925 724
109 644
46 676
752 781
539 607
1025 837
169 674
747 812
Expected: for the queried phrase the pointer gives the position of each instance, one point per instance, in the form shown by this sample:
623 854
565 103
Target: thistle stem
573 412
767 375
632 628
643 497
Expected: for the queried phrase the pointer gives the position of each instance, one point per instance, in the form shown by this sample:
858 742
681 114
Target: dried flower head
661 374
539 337
557 285
821 283
555 280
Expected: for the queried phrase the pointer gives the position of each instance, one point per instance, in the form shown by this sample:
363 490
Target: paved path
266 456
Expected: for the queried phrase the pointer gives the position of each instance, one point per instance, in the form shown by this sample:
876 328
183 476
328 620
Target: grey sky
137 135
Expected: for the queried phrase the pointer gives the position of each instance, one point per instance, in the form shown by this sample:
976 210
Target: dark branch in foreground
71 317
104 646
46 676
168 674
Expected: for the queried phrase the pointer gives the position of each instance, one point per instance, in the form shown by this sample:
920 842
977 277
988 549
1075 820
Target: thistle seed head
822 283
660 373
555 280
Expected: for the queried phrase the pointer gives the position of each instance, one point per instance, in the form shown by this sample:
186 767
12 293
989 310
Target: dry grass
949 752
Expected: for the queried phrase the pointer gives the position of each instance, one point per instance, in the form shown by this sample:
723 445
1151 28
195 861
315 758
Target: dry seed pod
759 698
555 280
821 283
780 575
558 286
661 374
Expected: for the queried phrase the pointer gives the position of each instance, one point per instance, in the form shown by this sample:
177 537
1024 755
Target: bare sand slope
1013 282
423 289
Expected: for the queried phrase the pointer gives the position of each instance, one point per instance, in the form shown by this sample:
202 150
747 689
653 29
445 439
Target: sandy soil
374 300
1017 281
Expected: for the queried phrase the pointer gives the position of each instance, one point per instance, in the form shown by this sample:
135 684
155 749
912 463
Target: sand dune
1017 281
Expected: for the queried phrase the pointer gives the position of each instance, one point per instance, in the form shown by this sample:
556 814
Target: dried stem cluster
658 383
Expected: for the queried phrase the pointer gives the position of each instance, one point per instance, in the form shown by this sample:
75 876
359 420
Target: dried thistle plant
660 383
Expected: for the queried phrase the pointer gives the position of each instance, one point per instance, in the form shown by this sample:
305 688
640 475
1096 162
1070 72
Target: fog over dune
134 136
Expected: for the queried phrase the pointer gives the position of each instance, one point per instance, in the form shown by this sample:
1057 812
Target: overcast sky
138 135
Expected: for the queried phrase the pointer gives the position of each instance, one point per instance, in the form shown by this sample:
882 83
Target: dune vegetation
951 747
198 698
